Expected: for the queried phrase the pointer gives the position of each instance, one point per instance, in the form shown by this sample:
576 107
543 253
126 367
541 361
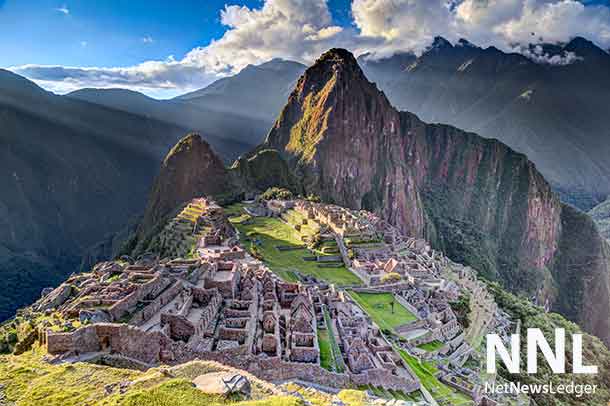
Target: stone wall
81 340
275 369
155 306
128 303
155 348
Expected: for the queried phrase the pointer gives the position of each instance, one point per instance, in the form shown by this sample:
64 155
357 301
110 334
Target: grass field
377 305
266 234
425 372
334 347
431 346
327 361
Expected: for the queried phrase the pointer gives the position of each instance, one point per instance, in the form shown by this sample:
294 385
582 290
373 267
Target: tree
277 193
391 278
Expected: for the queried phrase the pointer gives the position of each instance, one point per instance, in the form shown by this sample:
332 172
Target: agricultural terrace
262 236
442 393
176 239
379 307
431 346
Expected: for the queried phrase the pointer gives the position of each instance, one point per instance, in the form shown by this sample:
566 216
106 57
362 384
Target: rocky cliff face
475 198
191 169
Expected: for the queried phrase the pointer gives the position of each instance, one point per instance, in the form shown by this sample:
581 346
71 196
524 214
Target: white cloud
293 29
302 29
63 9
537 54
168 74
148 39
402 24
502 23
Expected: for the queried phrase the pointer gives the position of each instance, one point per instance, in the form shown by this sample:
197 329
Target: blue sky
53 32
164 48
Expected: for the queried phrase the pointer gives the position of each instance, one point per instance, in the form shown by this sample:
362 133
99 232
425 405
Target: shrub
277 193
390 277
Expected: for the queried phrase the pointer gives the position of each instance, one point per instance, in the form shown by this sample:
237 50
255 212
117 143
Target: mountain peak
440 43
190 169
337 55
337 64
462 42
583 47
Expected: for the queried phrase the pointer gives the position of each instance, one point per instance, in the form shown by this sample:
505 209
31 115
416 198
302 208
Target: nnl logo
536 340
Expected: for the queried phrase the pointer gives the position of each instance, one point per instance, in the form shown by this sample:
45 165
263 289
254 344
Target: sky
165 48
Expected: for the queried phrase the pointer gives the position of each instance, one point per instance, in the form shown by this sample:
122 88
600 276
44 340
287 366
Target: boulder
55 298
93 316
223 383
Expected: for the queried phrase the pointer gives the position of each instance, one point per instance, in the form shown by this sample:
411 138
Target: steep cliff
475 198
190 169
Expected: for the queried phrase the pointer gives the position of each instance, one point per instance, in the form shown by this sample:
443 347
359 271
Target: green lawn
431 346
378 306
425 372
327 361
334 347
271 233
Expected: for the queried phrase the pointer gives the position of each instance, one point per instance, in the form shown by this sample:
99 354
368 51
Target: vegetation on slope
594 353
27 380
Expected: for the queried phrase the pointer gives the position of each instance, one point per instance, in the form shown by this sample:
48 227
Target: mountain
190 169
257 91
551 106
230 133
472 197
72 175
240 108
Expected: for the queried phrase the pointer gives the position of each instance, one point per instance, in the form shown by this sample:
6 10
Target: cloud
148 39
302 29
293 29
536 53
505 24
167 75
63 9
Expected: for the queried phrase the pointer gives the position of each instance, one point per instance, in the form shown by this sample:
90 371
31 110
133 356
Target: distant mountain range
556 113
240 108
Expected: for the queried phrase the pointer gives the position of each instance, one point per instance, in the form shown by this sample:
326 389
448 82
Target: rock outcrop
475 198
190 169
